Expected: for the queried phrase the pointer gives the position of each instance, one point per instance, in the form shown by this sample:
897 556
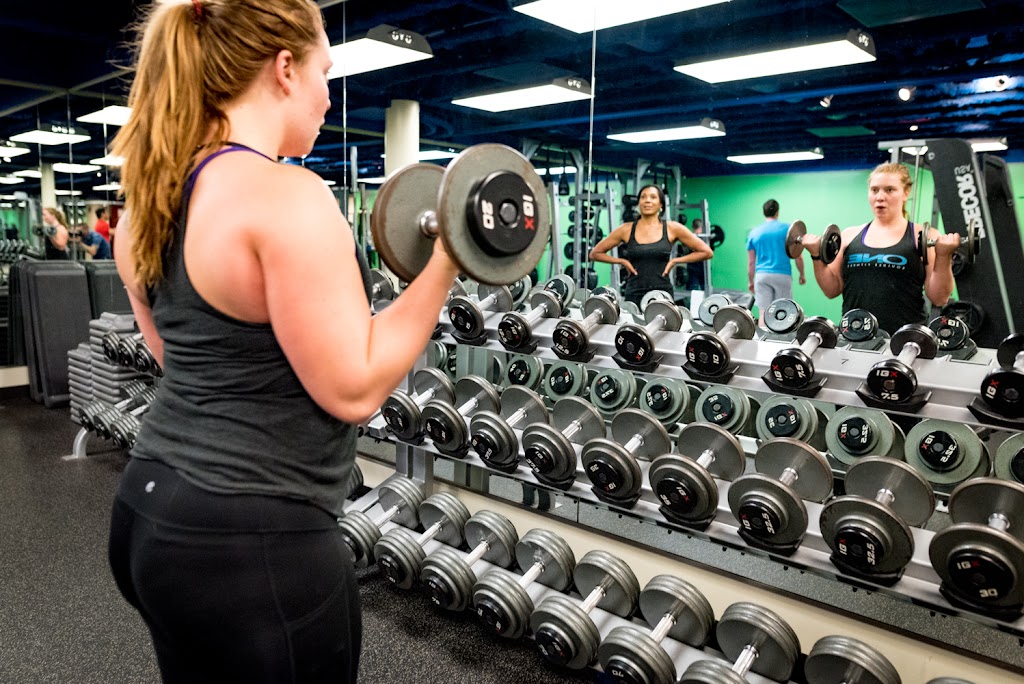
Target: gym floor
62 619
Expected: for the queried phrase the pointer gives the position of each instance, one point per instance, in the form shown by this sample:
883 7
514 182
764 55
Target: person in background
102 226
55 230
646 252
224 531
769 273
92 242
879 268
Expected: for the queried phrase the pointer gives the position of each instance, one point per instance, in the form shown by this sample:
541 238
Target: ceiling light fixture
65 167
906 93
11 180
856 47
9 150
107 187
382 47
826 101
556 92
432 155
807 155
989 145
108 160
67 193
706 128
51 134
113 115
584 16
556 171
28 173
914 127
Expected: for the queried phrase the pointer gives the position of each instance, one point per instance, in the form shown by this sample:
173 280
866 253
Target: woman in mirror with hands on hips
645 247
879 267
224 530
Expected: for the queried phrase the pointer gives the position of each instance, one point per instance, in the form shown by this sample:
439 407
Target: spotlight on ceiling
826 101
914 127
906 93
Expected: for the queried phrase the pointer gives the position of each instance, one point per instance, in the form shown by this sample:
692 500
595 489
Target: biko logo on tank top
893 261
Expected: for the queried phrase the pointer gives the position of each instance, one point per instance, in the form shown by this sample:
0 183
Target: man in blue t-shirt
93 243
768 268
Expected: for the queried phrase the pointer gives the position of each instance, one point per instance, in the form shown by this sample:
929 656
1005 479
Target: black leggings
235 588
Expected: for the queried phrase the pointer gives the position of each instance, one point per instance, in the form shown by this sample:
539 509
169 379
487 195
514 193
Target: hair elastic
197 7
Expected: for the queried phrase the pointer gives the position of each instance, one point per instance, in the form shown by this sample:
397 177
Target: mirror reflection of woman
55 230
878 267
645 247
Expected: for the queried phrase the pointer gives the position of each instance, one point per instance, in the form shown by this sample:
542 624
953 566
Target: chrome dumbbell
400 555
399 500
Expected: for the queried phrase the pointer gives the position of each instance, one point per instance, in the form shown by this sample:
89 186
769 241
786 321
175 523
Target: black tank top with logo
649 260
887 281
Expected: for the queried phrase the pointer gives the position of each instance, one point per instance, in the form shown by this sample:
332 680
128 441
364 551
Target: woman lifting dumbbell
646 251
55 228
224 533
879 267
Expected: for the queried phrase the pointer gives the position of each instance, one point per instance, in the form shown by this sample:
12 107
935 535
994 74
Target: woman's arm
699 250
614 239
829 277
137 295
938 279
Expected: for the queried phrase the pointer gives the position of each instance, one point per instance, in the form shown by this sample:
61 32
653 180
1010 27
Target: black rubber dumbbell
894 381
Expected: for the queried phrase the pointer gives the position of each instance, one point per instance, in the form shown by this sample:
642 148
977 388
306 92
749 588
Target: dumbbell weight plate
398 553
783 316
815 476
442 421
696 438
854 432
466 315
659 295
831 243
686 489
840 659
782 416
404 418
1003 389
613 390
614 471
505 250
858 325
437 354
565 634
976 560
382 283
710 306
520 289
794 246
725 406
524 371
565 379
548 451
946 453
569 339
667 399
606 291
490 434
952 333
914 501
1009 461
401 202
630 422
362 534
563 287
778 647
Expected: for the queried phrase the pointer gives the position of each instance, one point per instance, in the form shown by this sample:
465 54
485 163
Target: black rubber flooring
62 619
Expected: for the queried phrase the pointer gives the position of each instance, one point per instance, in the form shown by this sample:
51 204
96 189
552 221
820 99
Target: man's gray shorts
771 286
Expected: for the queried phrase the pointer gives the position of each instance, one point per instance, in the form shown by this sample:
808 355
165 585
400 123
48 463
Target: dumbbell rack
913 605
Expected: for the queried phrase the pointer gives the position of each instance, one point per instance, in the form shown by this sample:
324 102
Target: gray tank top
231 415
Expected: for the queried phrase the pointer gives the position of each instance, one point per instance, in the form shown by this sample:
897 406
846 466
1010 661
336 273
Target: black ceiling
59 62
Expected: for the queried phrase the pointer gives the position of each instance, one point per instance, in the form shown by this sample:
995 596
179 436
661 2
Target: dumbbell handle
421 399
595 597
592 321
634 443
745 660
375 290
663 627
468 407
657 324
531 575
486 303
789 476
514 419
706 458
811 344
572 428
728 331
909 353
431 531
885 496
537 313
478 552
999 521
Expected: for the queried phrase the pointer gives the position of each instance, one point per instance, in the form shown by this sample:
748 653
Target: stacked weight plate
80 380
107 377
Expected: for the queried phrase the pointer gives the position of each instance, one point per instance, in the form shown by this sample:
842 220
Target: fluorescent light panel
67 193
992 145
11 180
432 155
808 155
107 187
855 48
51 135
558 91
583 16
29 173
556 171
65 167
383 47
9 149
707 128
108 160
113 115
